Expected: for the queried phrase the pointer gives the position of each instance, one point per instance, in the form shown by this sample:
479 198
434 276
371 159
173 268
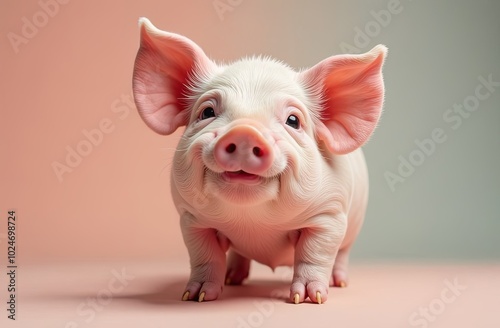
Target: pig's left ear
351 89
164 64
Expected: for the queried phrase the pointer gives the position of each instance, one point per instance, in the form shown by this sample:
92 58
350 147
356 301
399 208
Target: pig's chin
242 188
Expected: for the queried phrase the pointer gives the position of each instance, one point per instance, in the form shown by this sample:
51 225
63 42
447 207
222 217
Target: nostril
231 148
258 152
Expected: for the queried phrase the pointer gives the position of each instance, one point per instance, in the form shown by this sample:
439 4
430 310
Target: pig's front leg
315 252
207 256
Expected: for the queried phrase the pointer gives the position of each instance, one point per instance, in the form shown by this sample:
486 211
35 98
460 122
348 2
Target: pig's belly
272 249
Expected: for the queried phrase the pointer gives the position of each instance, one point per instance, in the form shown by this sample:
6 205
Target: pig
269 166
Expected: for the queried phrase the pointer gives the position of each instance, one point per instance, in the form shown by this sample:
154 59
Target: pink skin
269 166
243 148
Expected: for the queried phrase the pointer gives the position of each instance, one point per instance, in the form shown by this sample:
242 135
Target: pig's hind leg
339 276
339 272
238 268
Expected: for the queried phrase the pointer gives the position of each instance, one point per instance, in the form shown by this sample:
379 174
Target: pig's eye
207 113
293 121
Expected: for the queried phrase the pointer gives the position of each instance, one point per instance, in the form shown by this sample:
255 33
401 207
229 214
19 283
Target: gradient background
76 71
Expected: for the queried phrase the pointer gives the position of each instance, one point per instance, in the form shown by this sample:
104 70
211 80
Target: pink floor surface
149 295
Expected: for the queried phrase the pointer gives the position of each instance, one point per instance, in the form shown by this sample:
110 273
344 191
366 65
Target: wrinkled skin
269 166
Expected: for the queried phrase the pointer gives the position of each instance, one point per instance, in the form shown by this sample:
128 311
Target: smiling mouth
241 177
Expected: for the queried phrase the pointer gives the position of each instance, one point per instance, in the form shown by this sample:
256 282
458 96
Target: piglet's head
348 90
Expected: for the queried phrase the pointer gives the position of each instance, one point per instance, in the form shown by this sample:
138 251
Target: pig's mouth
242 187
241 177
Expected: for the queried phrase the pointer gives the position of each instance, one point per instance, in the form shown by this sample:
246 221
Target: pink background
116 202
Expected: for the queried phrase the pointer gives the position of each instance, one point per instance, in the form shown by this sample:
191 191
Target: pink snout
243 148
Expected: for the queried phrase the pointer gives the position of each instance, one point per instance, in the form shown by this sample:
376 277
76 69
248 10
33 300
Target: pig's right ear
164 64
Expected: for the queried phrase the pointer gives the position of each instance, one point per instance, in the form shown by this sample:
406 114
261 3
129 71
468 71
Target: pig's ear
164 64
351 90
